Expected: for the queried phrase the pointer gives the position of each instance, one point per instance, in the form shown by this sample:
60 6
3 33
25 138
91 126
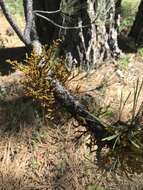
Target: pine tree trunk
47 32
118 8
137 28
86 28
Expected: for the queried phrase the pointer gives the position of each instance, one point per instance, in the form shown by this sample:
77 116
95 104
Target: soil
7 34
36 153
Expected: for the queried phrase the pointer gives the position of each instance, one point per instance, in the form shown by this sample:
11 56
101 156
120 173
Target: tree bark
118 6
47 32
85 39
137 28
76 109
117 11
86 28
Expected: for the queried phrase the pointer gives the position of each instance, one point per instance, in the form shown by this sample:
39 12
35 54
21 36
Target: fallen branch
53 76
77 109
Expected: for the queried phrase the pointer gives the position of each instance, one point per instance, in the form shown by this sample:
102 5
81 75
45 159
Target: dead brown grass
9 40
39 154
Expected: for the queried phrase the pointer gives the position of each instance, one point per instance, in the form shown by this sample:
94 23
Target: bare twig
60 26
47 12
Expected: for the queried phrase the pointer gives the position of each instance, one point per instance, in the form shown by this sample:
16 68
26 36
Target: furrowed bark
66 99
76 109
46 31
89 23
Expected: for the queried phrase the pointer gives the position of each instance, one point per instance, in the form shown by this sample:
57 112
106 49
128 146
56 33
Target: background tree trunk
47 32
118 7
137 28
118 4
87 30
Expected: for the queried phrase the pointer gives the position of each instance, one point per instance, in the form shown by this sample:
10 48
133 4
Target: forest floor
38 154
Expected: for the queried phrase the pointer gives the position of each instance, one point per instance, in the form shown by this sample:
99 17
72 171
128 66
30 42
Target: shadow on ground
15 53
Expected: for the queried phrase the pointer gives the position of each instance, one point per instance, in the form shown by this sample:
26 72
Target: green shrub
140 52
124 62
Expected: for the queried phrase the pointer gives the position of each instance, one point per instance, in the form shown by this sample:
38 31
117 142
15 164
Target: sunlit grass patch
140 52
124 62
127 136
16 9
129 9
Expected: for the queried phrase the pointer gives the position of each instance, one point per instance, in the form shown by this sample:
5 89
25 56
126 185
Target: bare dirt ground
38 154
7 34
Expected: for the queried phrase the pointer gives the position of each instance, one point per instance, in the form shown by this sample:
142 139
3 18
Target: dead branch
66 99
77 109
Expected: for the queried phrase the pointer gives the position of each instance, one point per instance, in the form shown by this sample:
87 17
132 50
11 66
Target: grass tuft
127 136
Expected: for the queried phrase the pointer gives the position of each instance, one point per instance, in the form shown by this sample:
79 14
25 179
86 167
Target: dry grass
8 40
36 153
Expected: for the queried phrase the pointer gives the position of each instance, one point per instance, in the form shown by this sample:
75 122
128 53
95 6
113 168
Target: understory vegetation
16 9
63 127
129 9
